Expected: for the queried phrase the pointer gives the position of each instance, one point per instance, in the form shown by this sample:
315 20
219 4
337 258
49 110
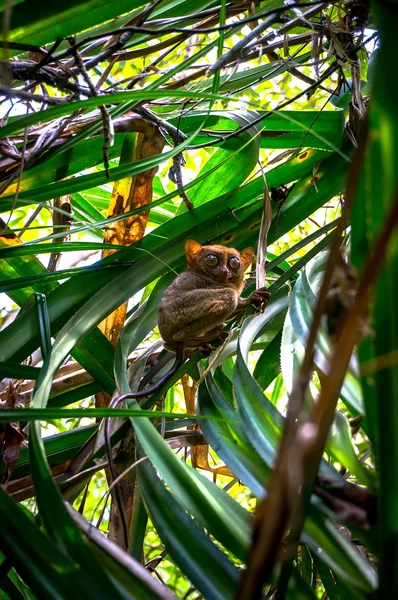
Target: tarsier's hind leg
201 343
216 333
190 339
192 334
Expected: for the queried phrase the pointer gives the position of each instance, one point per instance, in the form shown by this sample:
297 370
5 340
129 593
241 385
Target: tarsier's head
225 266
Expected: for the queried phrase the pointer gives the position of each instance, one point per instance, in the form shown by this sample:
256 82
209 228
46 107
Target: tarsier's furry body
194 307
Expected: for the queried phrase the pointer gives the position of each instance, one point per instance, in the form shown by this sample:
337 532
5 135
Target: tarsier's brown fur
194 307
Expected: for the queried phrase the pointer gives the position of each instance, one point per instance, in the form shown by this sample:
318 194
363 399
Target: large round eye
211 260
234 262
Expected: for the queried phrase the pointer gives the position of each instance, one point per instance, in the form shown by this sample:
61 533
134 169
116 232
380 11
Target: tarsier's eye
234 262
211 260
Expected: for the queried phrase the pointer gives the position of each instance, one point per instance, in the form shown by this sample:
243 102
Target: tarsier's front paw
260 298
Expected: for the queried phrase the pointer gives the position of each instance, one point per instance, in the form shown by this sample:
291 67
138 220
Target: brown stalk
284 482
314 433
199 453
61 224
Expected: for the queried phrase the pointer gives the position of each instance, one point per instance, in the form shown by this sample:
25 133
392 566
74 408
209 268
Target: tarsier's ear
247 257
192 249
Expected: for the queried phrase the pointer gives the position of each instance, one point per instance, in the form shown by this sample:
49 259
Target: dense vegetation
272 466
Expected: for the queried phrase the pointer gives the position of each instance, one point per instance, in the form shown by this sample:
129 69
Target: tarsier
192 313
195 306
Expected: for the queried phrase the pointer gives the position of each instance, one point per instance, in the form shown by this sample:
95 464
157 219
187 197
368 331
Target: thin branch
106 120
23 47
329 71
237 48
17 175
42 144
312 436
12 93
189 31
125 35
141 52
152 66
54 76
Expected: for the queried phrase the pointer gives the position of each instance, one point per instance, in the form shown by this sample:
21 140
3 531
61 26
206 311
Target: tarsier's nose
224 272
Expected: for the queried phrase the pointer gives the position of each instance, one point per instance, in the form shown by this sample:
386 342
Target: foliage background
126 124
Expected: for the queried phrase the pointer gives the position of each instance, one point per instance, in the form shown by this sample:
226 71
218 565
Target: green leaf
301 310
58 576
205 565
131 577
43 414
227 443
151 92
226 170
58 522
43 22
59 448
17 371
262 424
268 365
261 420
83 182
211 221
51 168
375 197
363 64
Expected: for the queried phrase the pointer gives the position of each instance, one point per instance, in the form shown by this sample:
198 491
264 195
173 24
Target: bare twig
175 175
30 220
54 76
223 138
158 32
193 30
42 144
311 437
106 120
19 46
150 68
17 175
61 223
289 25
12 93
237 49
125 34
141 52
